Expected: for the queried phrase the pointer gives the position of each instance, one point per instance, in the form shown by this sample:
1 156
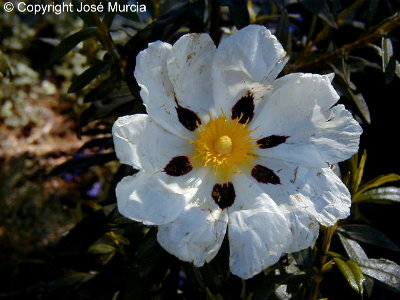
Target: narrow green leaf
357 253
367 234
88 76
360 171
397 70
390 70
388 59
83 162
384 270
353 249
70 42
380 195
321 9
376 182
361 104
120 238
101 249
387 52
348 274
74 279
358 275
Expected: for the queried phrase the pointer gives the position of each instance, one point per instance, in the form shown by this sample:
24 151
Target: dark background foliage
64 81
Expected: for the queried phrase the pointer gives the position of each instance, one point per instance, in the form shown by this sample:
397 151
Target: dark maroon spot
264 175
244 109
178 166
223 194
188 118
271 141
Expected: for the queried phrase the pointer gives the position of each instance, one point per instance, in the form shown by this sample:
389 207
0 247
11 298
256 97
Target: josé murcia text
111 7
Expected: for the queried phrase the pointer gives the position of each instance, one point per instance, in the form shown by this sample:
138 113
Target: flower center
224 145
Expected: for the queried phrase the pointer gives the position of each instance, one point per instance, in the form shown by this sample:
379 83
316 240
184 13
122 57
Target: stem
327 233
383 29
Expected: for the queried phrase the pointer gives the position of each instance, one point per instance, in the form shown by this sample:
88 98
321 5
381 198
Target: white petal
153 198
324 195
258 231
189 69
338 139
317 192
140 142
196 234
251 55
156 89
304 227
301 108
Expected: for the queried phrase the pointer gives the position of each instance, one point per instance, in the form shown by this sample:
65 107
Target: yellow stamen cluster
224 145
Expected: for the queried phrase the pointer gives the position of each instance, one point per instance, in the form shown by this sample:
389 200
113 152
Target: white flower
227 147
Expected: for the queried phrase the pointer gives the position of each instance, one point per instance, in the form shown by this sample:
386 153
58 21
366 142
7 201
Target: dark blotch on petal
223 194
178 166
264 175
244 109
188 118
271 141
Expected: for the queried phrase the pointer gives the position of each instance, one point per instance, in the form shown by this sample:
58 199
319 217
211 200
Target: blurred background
62 85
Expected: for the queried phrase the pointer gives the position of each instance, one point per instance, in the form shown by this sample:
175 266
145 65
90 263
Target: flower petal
138 140
304 226
156 89
258 231
189 69
316 192
196 234
324 195
153 199
250 59
301 109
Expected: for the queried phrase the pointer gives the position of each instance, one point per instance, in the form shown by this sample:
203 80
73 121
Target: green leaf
389 63
348 274
70 42
361 104
380 195
321 9
101 249
83 162
367 234
383 270
74 279
376 182
357 253
397 70
120 238
360 171
110 106
353 249
358 275
387 52
88 76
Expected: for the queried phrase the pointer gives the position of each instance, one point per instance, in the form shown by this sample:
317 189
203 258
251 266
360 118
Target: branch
389 25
